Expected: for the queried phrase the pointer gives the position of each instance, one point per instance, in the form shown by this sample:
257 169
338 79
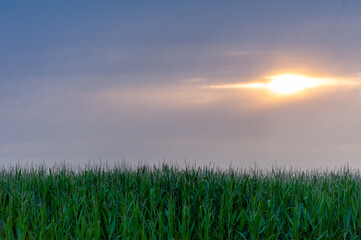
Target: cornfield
167 202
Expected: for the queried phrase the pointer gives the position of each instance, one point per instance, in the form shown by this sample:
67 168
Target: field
170 203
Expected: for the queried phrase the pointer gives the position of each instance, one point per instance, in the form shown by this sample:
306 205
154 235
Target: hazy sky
113 80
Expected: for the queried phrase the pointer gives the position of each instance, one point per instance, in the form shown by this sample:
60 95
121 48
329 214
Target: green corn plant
166 202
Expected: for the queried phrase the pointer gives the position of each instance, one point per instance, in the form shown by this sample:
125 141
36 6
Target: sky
153 81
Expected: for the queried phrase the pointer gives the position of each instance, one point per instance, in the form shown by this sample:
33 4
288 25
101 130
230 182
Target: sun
285 84
290 84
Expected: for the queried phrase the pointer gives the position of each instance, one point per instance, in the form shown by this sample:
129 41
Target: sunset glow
284 84
289 84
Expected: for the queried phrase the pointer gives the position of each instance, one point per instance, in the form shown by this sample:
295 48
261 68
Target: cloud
183 121
134 84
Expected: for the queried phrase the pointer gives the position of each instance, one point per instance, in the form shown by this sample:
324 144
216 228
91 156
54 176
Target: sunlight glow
284 84
240 85
288 84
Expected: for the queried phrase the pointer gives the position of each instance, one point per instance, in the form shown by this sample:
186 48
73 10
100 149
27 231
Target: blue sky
90 80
